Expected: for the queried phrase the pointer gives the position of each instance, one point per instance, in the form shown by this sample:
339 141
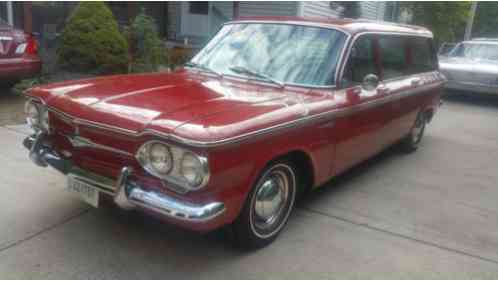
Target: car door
359 129
406 61
396 78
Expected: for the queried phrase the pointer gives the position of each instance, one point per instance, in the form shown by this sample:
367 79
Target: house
179 23
195 21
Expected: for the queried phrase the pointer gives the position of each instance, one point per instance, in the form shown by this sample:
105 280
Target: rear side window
393 56
422 55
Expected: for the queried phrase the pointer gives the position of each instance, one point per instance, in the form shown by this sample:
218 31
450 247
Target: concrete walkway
431 214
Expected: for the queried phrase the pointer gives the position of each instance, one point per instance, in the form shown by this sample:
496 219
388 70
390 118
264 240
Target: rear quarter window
393 57
423 58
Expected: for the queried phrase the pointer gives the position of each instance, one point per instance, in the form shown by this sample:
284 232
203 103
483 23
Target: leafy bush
92 42
148 51
180 55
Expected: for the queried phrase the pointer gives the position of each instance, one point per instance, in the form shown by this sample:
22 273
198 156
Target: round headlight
192 169
32 114
155 157
160 158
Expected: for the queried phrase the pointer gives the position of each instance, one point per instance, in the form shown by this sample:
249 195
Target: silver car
472 66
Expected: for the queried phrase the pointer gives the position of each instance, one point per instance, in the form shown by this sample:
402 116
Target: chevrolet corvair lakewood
268 109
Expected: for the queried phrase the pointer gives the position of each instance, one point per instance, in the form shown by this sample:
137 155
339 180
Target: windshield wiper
203 67
245 70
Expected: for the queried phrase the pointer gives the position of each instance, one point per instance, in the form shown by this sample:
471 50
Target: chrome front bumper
127 194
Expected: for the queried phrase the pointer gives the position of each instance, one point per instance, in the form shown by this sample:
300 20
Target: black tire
411 142
250 230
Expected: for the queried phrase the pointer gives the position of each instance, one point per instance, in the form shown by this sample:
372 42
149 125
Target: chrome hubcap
418 130
270 199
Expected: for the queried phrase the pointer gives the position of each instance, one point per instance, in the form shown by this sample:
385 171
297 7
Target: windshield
476 51
279 52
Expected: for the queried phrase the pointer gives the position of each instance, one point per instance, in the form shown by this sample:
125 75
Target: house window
199 8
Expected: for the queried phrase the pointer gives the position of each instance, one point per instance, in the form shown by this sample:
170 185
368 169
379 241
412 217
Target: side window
361 61
393 56
422 55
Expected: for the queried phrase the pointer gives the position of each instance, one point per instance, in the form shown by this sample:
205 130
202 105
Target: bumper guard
127 194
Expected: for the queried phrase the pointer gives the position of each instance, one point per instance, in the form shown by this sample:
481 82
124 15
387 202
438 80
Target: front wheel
411 142
267 207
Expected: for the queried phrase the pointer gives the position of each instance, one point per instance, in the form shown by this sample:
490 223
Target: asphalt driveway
431 214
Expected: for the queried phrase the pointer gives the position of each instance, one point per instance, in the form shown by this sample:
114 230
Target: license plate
83 190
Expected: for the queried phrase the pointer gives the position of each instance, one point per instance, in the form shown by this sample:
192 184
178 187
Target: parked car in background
18 55
268 109
445 49
472 66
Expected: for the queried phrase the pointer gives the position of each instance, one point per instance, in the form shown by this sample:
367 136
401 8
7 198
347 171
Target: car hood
185 104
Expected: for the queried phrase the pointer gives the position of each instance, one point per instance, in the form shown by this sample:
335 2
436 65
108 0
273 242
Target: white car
472 66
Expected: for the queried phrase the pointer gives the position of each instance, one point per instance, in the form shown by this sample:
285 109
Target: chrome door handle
416 81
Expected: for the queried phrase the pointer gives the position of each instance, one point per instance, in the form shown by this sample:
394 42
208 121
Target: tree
486 20
445 19
91 41
147 49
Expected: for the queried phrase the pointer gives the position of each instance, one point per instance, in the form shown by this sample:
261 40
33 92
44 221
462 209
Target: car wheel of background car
267 207
410 143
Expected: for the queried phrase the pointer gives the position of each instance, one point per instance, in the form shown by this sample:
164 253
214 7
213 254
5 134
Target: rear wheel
411 142
267 207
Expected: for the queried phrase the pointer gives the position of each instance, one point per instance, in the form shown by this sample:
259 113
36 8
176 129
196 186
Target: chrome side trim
78 141
328 114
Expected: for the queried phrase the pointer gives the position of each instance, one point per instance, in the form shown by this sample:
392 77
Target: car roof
350 26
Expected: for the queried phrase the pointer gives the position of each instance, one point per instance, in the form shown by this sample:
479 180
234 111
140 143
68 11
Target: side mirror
370 82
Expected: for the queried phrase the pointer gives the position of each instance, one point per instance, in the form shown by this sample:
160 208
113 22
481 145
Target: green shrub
180 55
147 49
92 42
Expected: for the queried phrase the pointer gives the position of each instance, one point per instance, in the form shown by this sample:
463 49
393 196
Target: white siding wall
373 10
248 9
174 13
318 9
221 12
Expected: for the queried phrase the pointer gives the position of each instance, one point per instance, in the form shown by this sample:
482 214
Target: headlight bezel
144 158
174 179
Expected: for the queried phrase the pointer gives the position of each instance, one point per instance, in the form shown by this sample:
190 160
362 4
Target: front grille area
98 159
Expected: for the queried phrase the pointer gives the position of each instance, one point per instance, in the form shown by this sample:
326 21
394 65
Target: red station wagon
18 55
268 109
